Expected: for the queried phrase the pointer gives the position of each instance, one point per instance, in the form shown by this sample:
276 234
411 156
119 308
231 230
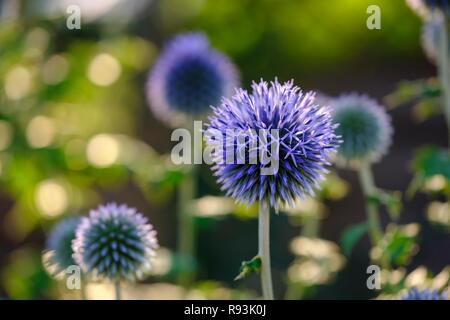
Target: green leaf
392 200
249 267
351 236
430 161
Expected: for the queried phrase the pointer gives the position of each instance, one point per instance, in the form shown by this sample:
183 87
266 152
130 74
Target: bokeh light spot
40 132
51 198
104 70
17 83
103 150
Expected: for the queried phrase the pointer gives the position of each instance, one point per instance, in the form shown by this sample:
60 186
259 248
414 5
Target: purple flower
115 242
304 142
364 127
425 294
188 78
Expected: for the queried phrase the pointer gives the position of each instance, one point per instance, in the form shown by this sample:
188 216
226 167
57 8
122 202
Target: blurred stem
83 295
369 189
311 226
264 249
118 290
444 70
186 225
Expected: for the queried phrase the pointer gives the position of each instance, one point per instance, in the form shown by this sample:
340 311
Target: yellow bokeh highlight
51 198
40 132
104 70
18 81
103 150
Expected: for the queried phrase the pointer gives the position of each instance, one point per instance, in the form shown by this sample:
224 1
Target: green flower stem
187 191
83 294
444 69
186 227
264 250
369 189
118 290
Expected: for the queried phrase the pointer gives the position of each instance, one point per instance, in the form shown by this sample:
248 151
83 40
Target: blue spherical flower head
442 5
425 294
188 78
304 142
115 242
59 254
364 127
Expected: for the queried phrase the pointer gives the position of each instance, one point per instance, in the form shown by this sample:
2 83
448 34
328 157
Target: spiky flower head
302 143
364 127
115 242
188 78
425 294
58 255
441 5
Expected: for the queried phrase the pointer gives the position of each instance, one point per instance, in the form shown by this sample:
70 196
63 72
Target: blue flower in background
443 5
188 78
306 141
59 254
425 294
115 242
364 127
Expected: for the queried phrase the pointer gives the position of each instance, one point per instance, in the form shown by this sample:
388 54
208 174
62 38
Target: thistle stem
118 290
264 249
186 226
444 70
83 294
369 189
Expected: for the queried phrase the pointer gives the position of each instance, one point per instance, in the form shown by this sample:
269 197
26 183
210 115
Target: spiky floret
424 294
364 127
189 77
115 242
305 143
58 255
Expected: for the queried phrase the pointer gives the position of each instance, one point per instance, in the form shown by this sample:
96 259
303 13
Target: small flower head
364 127
115 242
58 254
188 78
440 5
425 294
303 143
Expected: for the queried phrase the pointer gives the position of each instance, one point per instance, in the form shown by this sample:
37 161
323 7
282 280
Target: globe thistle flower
441 5
58 253
306 142
364 127
425 294
188 78
115 242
